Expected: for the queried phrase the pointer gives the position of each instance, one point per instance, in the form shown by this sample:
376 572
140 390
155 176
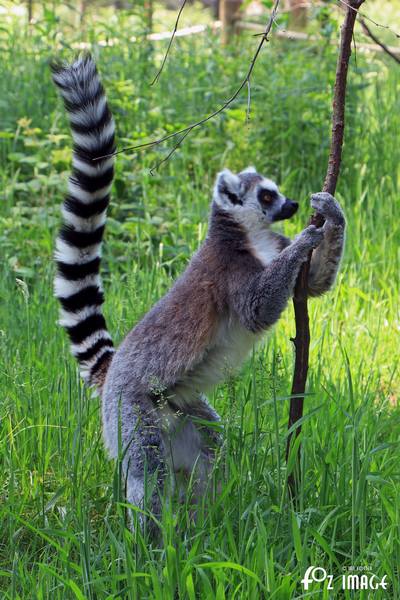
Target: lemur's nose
293 205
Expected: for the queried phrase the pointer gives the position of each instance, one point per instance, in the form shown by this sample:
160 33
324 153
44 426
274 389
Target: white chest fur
263 245
232 345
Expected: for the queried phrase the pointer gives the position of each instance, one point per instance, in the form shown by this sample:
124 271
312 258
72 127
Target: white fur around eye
269 185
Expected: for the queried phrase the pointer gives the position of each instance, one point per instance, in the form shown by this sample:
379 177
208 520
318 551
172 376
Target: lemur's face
251 198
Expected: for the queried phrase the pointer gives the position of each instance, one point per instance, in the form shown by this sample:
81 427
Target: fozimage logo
348 581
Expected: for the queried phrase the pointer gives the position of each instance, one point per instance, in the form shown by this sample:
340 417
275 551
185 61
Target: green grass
63 529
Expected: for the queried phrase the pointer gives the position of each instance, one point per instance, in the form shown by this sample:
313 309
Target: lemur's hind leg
194 442
326 258
143 452
208 425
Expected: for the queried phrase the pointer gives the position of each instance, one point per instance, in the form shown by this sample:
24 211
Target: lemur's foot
311 237
327 206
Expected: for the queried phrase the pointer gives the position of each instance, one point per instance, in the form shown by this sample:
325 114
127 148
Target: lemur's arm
326 258
260 299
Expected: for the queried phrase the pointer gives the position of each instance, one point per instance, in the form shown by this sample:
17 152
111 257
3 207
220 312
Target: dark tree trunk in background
298 14
30 11
148 9
82 12
215 8
229 13
302 339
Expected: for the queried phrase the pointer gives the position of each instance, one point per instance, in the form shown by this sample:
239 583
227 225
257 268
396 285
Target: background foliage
62 532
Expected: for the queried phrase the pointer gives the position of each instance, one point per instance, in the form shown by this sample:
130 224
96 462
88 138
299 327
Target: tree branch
302 339
350 6
377 41
170 153
169 44
189 128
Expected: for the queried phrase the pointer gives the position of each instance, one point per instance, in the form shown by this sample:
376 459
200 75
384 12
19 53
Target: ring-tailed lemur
234 288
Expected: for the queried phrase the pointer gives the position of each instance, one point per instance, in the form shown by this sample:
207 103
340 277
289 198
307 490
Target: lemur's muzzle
289 207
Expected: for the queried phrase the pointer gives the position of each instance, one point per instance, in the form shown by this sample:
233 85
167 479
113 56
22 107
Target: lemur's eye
265 197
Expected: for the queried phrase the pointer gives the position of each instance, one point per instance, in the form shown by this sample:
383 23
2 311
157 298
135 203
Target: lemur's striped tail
78 246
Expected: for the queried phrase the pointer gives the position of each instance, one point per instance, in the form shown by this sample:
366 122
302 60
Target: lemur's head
251 198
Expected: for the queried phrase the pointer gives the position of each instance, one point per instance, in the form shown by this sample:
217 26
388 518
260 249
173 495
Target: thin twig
355 50
169 44
362 17
377 41
248 101
367 18
170 152
295 36
225 105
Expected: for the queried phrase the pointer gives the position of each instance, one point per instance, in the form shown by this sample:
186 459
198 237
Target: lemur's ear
249 170
227 188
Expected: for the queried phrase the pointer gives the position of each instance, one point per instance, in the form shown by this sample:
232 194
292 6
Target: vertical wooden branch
302 339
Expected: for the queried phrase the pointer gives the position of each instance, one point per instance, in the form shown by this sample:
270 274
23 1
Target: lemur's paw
311 237
327 206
